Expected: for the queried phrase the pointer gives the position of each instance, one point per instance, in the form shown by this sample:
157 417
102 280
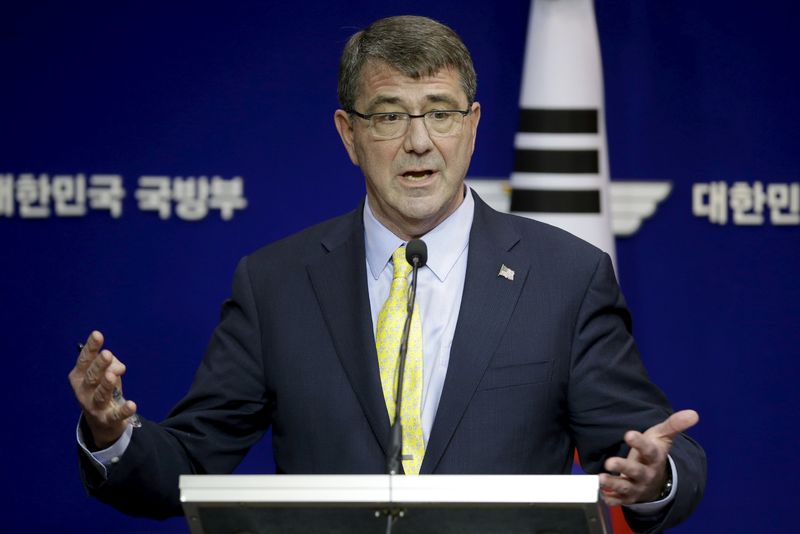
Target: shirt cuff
107 457
652 508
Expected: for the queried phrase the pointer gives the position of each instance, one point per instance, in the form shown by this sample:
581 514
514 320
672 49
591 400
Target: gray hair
415 46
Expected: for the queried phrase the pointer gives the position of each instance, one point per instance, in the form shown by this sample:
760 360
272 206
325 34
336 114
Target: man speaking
519 346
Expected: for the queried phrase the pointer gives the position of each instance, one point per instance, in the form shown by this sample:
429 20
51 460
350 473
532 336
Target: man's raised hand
641 476
94 377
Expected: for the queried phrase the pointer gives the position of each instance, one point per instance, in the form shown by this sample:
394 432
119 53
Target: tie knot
401 265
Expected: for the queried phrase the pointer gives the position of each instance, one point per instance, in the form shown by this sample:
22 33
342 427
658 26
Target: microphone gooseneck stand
417 256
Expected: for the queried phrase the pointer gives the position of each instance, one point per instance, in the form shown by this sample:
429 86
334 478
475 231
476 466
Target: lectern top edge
321 489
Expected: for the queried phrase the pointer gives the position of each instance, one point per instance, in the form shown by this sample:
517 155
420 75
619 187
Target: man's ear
345 128
476 117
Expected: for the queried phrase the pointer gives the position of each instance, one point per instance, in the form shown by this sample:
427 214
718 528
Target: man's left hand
641 476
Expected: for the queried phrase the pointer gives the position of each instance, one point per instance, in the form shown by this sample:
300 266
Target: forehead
383 85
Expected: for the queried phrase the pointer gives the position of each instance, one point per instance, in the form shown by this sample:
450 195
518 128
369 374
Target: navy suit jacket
539 365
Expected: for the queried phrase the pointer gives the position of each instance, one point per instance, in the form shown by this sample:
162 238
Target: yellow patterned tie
388 333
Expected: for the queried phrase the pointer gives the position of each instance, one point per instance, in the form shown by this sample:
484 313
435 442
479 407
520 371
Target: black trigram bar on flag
552 160
558 121
555 201
560 173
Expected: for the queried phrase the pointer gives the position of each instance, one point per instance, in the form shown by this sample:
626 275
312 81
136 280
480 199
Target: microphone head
416 248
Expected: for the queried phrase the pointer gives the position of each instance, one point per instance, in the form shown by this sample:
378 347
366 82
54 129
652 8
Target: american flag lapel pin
506 273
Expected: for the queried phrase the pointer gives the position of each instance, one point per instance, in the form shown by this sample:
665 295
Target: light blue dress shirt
440 284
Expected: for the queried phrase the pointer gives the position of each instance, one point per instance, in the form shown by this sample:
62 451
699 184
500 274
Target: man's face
415 181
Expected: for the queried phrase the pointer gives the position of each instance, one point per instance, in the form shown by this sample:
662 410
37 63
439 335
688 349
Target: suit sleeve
611 393
209 431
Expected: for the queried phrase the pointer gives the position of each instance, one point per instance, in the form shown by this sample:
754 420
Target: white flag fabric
560 171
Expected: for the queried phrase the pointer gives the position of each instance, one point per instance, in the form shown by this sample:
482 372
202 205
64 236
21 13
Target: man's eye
439 115
388 117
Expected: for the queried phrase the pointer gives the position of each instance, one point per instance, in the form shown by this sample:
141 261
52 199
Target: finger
650 450
89 351
110 378
675 424
124 411
611 464
116 366
627 468
617 489
611 499
94 372
104 392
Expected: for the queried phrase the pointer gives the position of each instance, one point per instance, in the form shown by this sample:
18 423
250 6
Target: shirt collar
445 243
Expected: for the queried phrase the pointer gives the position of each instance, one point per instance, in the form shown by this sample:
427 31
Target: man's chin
427 214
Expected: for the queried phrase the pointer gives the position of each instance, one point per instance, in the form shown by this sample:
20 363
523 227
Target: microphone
417 256
416 249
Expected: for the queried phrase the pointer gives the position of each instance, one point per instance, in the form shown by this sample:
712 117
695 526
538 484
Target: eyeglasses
394 124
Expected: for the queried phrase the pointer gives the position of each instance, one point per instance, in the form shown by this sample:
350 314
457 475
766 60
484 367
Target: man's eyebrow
382 99
443 99
447 100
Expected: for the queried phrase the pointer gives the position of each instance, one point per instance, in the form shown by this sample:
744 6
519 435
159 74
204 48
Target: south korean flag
560 173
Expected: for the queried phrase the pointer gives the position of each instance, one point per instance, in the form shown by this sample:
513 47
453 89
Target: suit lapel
339 280
486 307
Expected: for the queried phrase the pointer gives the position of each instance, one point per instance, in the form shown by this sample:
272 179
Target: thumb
675 424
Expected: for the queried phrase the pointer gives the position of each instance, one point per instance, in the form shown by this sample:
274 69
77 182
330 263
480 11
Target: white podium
355 504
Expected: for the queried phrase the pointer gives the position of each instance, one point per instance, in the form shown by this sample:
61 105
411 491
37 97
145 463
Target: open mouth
418 175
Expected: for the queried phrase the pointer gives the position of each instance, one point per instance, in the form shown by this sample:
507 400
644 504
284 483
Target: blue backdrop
696 93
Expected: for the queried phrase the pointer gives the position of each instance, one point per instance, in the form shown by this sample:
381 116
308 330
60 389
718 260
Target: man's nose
417 138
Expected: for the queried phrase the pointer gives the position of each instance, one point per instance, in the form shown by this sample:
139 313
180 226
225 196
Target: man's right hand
94 377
